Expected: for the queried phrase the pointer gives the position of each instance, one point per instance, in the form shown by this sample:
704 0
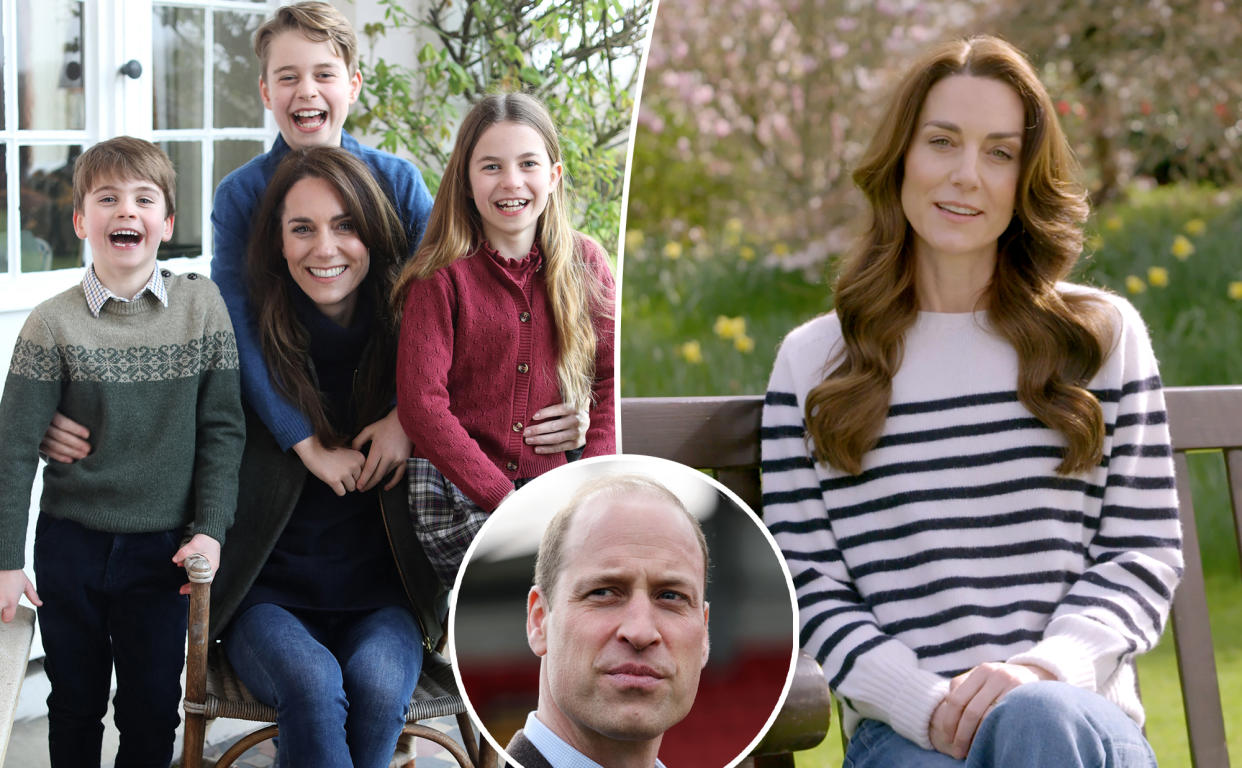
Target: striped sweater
958 543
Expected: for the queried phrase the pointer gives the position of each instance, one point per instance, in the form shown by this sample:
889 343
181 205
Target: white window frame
115 104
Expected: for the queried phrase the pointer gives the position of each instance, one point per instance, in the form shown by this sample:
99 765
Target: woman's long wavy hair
285 340
455 231
1061 338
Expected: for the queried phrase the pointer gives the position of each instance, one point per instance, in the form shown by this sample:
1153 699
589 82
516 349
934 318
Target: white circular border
627 463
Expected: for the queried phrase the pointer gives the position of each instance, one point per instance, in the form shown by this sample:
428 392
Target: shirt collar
555 749
533 255
97 294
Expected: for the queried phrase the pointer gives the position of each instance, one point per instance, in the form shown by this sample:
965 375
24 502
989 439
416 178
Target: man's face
624 636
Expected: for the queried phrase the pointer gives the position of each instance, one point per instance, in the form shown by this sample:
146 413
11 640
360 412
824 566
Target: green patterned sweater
158 388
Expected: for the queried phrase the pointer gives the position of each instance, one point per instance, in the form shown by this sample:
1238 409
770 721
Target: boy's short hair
125 157
319 22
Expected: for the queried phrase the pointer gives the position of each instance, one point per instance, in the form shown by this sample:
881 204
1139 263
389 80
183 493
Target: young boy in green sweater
146 360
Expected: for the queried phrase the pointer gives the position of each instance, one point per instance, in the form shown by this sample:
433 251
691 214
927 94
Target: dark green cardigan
269 486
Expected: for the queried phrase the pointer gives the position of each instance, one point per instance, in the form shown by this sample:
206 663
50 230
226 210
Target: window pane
236 91
48 241
233 154
4 211
49 65
177 55
187 239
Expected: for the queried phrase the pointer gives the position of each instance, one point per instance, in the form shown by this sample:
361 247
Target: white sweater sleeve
1117 607
879 676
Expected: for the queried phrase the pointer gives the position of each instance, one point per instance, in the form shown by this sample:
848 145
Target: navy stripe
1034 515
1089 601
1138 513
782 431
817 556
1141 483
780 398
1149 384
943 463
971 582
1054 483
1145 418
787 497
1135 542
949 403
963 430
1093 577
1042 607
1158 451
808 629
968 642
848 664
804 578
965 553
1148 578
786 465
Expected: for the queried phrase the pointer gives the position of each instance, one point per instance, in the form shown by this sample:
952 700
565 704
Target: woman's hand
65 440
13 584
565 428
389 449
339 468
199 544
971 696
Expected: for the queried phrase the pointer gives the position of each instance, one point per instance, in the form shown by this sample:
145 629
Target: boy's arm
601 438
231 214
220 434
31 394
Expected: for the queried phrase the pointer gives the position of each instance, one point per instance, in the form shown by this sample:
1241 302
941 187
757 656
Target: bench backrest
721 434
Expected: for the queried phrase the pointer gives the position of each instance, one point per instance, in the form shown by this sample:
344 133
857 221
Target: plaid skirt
445 519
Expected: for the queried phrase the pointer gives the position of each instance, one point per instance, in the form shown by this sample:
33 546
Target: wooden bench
721 434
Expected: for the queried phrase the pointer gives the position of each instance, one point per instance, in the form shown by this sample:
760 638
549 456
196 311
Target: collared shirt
97 294
555 750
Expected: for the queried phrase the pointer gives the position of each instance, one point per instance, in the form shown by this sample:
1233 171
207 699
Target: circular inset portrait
626 609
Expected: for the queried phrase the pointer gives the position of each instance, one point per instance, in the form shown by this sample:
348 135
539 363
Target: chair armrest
803 720
15 639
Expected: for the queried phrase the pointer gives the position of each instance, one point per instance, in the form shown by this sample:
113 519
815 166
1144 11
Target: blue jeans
340 682
110 597
1038 725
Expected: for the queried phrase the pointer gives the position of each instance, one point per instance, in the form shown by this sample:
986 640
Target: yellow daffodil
1181 248
1113 224
1195 227
744 343
633 239
691 352
1235 290
1094 242
729 327
733 226
747 253
780 249
1158 277
1135 284
672 250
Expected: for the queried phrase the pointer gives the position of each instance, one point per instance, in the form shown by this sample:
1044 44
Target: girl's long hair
1061 338
285 340
455 230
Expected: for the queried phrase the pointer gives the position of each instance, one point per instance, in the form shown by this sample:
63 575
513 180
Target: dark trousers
110 597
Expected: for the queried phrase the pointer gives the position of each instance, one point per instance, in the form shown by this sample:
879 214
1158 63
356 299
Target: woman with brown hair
966 464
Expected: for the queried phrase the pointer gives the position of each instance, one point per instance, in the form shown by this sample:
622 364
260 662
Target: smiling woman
966 464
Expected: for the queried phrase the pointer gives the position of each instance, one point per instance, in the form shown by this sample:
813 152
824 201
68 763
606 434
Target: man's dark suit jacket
521 750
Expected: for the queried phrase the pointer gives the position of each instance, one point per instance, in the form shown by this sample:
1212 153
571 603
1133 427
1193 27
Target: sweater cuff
494 495
905 698
1068 658
289 432
214 522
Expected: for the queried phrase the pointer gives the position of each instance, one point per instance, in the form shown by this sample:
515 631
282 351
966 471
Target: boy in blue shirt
145 359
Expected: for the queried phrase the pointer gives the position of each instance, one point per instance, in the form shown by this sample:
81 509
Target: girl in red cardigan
507 329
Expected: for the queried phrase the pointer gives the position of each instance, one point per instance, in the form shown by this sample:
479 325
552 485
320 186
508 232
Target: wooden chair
212 690
721 434
15 639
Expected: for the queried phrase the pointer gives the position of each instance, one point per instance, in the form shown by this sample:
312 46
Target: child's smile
511 179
